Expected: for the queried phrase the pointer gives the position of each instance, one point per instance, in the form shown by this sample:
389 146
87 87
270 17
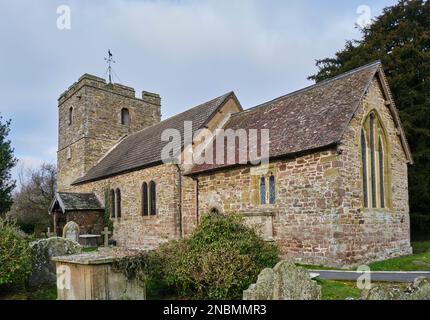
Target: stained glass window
263 190
364 160
272 190
381 173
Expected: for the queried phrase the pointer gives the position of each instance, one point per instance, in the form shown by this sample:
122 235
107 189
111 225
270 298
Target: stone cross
106 234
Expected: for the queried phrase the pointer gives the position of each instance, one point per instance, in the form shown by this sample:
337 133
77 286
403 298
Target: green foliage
421 247
15 254
222 258
400 38
420 225
7 162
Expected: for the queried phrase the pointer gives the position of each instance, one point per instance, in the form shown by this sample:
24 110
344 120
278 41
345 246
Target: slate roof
143 149
76 202
309 119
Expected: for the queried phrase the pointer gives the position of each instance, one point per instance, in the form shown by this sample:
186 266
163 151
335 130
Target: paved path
385 276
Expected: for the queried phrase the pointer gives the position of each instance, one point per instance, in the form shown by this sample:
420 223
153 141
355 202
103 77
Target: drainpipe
180 199
197 201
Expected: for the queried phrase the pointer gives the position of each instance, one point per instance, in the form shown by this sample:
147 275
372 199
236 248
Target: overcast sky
188 51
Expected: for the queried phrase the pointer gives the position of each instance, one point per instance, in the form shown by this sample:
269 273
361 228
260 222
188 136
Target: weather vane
109 61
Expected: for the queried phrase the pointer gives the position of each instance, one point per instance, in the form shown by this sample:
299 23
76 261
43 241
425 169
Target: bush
15 255
420 226
222 258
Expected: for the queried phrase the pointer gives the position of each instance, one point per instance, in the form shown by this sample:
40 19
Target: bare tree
32 200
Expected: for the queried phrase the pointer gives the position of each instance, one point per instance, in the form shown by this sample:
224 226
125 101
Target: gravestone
43 269
71 231
284 282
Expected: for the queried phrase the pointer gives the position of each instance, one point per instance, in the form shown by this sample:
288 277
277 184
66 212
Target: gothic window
153 198
272 189
364 161
70 116
263 190
118 203
125 117
374 163
145 211
112 203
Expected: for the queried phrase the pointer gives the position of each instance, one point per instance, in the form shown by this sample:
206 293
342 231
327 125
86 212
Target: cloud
189 51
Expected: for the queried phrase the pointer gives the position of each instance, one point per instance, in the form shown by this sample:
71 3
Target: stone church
335 191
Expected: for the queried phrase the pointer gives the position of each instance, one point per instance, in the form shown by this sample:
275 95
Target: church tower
93 117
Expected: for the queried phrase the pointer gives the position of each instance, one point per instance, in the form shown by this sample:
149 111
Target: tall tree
400 38
7 162
31 202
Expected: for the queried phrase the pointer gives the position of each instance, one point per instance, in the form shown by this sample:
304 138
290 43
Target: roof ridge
224 96
315 85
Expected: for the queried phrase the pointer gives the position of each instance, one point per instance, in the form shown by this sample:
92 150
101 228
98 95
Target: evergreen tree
400 38
7 162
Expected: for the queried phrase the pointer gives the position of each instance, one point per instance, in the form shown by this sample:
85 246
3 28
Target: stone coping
104 256
85 236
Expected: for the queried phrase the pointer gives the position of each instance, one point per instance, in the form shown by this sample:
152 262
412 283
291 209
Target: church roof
312 118
143 149
75 202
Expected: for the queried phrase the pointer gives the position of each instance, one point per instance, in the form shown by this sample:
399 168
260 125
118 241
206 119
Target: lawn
419 261
339 290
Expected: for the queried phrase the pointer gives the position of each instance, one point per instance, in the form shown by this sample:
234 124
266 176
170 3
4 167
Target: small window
153 198
125 117
118 203
145 211
263 190
272 189
112 204
70 116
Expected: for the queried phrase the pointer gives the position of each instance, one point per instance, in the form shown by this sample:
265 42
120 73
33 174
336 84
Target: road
375 276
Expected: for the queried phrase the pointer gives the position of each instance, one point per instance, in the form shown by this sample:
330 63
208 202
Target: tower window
70 116
125 117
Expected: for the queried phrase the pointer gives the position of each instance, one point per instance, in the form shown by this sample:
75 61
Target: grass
419 261
338 290
87 250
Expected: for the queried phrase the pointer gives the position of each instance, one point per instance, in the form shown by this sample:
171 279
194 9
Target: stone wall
96 123
133 230
369 234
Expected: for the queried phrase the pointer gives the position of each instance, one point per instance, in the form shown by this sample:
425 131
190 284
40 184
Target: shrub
222 258
15 254
420 226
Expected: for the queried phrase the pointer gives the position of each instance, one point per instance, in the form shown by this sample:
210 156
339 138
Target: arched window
118 203
374 163
112 203
263 190
153 198
272 189
70 116
125 117
145 211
